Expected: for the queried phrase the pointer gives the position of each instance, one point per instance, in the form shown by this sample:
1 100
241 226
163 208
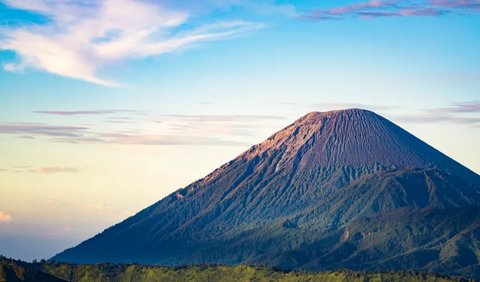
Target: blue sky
107 106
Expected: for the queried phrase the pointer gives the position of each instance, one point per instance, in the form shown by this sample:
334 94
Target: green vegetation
109 272
11 270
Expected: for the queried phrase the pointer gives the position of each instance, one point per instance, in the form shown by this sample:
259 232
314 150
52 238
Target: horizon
108 107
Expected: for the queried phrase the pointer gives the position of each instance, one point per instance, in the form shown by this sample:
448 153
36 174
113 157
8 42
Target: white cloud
5 217
83 36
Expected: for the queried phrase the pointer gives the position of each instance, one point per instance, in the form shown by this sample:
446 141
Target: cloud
99 206
223 118
120 120
395 8
15 169
159 139
41 129
157 129
82 37
55 169
5 217
457 4
465 107
428 117
462 113
89 112
41 170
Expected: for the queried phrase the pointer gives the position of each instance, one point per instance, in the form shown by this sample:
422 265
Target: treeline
13 270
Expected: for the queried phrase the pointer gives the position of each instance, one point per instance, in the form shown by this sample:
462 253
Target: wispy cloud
42 129
41 170
175 140
457 4
467 113
5 217
223 118
429 117
83 36
465 107
87 112
155 129
462 113
395 8
55 169
98 206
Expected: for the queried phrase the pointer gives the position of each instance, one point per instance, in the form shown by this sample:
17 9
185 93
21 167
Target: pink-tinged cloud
32 128
55 169
86 112
376 4
165 129
457 4
5 217
466 107
405 12
394 8
467 113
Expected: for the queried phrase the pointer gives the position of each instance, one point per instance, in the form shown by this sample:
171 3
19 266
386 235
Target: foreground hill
11 270
342 189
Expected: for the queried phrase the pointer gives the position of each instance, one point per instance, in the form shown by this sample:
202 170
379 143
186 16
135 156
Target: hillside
13 271
53 272
343 189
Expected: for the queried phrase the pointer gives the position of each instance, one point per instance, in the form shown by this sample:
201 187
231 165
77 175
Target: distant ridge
311 197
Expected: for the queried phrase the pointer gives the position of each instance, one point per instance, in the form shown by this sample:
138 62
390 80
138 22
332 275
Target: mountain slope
305 184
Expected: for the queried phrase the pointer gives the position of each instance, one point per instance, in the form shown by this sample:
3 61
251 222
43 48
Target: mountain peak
351 137
338 112
347 113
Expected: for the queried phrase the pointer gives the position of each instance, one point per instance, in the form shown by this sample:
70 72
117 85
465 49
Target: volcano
334 190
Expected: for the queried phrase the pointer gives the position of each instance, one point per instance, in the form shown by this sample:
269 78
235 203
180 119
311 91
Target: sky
108 106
